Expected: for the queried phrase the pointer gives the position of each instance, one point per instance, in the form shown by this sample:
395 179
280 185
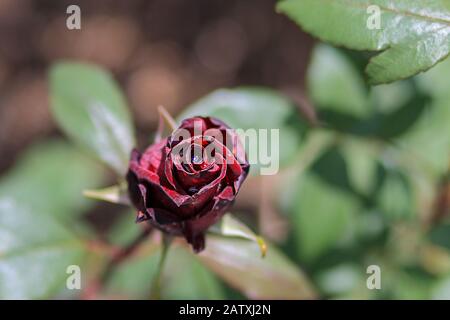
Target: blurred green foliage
40 200
369 196
411 35
368 185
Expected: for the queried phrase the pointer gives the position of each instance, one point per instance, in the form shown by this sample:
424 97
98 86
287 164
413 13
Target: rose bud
186 182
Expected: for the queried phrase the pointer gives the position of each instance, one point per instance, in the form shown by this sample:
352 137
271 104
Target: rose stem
156 285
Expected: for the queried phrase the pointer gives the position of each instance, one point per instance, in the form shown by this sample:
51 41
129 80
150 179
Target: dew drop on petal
193 190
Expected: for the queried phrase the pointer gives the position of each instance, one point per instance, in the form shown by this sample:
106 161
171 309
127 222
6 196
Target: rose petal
186 197
194 229
152 157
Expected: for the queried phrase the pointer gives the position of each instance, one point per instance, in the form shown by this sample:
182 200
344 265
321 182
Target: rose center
197 159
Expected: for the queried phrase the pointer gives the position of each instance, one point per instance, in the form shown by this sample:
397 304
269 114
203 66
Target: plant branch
117 259
156 285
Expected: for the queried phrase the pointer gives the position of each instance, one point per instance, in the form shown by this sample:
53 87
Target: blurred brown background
163 52
168 52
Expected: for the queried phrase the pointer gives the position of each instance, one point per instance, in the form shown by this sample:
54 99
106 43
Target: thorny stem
156 285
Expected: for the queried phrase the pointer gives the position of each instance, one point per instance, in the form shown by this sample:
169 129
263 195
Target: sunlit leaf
413 36
90 108
238 262
342 280
35 252
321 215
334 82
50 177
232 227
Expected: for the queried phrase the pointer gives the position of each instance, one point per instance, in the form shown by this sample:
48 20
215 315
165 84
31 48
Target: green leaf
183 275
333 81
183 278
344 104
186 278
50 177
414 34
395 198
35 252
432 134
321 216
440 235
331 167
362 160
342 280
43 189
254 108
435 81
432 131
238 262
441 289
133 278
90 108
411 285
231 227
125 229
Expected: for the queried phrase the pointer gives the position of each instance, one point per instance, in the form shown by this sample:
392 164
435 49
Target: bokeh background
167 53
367 196
162 52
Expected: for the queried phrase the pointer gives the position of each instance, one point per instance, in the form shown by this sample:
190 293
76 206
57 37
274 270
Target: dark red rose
184 183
